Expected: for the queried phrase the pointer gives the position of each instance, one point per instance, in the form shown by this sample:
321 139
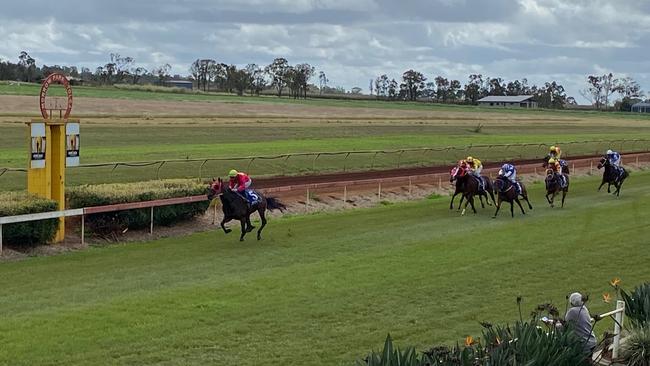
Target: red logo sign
55 79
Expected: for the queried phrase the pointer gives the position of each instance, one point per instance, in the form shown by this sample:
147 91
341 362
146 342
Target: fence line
307 162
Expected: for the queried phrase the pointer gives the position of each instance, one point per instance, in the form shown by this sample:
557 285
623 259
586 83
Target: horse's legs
249 226
520 206
525 197
263 218
563 197
512 209
471 201
451 204
492 196
601 184
223 224
462 198
498 203
243 229
548 199
609 185
480 198
465 207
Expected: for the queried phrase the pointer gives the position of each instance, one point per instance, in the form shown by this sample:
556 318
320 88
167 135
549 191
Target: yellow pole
58 172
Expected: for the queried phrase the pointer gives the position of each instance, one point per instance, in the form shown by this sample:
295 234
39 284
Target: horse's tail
273 203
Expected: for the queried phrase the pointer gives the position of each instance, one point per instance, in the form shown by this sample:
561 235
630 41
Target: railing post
151 222
617 327
83 230
345 194
379 191
410 186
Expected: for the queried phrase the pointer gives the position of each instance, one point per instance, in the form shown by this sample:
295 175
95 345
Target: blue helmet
508 167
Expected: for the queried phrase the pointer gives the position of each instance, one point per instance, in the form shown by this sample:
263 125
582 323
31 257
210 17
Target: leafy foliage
108 194
27 233
636 349
637 305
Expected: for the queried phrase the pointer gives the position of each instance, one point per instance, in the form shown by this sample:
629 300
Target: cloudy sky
351 40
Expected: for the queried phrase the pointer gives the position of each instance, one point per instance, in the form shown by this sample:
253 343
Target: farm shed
508 101
643 107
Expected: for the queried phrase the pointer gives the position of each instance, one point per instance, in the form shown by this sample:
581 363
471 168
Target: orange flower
615 282
469 341
607 298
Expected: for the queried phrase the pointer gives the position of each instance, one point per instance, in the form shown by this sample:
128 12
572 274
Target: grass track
320 289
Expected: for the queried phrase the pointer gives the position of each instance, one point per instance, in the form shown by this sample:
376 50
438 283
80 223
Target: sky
352 41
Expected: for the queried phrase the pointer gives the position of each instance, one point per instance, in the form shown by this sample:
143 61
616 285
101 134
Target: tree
552 95
629 88
304 72
610 86
455 90
28 66
137 73
122 66
381 86
277 70
322 81
412 83
442 89
392 89
473 88
162 73
496 87
257 79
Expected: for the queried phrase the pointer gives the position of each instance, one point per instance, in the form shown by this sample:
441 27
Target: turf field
323 288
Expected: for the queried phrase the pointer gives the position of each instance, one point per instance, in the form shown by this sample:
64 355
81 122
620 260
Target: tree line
282 78
415 86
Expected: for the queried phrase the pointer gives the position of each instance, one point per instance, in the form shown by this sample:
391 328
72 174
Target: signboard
71 144
58 79
38 146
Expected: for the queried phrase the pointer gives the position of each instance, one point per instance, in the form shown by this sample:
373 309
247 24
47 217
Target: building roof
179 81
506 98
641 104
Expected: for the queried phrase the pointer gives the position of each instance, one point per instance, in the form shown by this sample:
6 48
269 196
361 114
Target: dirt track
408 180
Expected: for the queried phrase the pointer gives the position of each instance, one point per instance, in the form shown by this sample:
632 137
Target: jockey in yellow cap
475 168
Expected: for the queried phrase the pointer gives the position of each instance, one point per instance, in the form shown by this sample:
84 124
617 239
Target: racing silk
475 165
554 154
239 182
509 171
556 167
614 159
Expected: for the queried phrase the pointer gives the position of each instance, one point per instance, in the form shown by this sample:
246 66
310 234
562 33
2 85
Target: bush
27 233
637 305
636 349
109 194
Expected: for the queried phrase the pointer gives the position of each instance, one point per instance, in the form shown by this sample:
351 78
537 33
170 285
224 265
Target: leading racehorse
554 186
456 175
612 176
235 207
468 185
506 191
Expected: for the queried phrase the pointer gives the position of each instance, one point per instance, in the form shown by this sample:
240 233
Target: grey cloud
352 41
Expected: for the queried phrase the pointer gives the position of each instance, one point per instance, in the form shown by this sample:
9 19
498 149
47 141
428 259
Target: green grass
102 143
320 289
122 93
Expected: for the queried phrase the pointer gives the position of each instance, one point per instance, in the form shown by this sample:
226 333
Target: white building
508 101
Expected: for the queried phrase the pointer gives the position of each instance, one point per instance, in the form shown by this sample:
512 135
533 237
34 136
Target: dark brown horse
554 186
612 176
470 187
507 192
456 175
235 207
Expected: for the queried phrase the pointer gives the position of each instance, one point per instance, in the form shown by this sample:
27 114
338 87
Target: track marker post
379 191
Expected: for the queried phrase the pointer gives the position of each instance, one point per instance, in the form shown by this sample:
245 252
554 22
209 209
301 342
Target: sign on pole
38 146
72 144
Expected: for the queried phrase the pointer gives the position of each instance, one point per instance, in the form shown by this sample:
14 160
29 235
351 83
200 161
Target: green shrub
109 194
27 233
637 305
636 349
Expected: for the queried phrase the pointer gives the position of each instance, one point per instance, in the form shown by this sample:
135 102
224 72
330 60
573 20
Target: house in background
508 101
179 84
643 107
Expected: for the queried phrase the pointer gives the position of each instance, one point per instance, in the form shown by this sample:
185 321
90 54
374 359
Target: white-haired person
580 319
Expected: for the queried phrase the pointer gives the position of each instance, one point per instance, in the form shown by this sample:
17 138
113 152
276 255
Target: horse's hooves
241 239
227 231
259 237
494 217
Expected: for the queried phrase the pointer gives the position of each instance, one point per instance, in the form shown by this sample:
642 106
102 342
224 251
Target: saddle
481 183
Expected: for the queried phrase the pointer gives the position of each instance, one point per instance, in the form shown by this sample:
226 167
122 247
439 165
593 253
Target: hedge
27 233
108 194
